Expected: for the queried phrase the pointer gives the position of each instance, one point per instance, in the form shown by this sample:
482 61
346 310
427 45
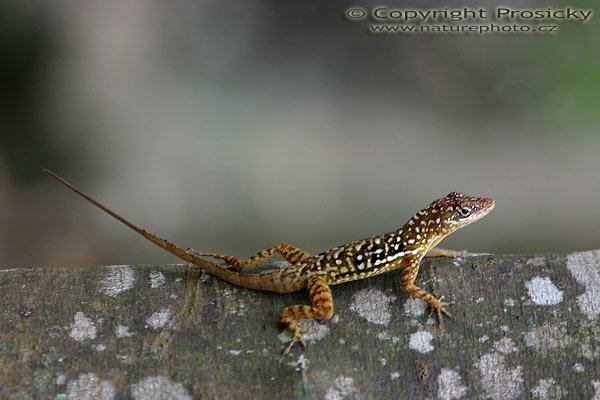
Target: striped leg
290 253
322 308
408 278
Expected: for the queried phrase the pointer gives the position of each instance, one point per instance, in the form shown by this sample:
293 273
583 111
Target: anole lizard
403 248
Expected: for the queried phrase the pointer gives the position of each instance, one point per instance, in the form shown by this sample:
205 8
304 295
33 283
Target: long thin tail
247 281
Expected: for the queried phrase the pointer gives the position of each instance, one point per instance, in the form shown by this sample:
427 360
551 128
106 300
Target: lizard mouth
487 205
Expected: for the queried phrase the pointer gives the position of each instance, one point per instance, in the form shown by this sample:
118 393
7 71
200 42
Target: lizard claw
297 339
439 309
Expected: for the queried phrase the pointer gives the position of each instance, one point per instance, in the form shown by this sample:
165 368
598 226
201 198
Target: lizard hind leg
290 253
322 308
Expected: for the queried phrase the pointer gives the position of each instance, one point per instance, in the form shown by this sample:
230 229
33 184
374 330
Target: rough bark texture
523 327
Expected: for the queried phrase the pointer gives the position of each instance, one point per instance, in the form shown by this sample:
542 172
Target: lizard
403 249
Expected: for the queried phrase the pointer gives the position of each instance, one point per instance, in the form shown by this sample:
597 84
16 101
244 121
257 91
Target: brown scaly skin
403 248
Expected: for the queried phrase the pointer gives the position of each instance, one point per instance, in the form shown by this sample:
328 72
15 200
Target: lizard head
457 210
444 216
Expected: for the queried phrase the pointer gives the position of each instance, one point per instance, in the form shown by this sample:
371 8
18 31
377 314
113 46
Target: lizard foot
438 307
193 252
437 252
297 339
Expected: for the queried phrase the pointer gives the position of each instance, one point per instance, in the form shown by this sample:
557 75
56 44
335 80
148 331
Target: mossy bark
522 327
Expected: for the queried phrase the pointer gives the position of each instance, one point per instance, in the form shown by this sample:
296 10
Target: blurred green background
233 126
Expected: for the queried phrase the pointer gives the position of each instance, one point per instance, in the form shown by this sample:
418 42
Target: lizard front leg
409 273
322 308
290 253
437 252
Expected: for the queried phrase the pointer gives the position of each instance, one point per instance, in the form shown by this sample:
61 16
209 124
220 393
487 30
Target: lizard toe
296 339
440 309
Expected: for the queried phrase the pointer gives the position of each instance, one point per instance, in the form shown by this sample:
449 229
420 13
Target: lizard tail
256 282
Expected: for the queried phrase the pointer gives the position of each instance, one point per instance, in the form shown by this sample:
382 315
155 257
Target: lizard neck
423 232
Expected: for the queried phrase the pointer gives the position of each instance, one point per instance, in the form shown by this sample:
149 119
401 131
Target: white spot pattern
82 328
421 342
543 292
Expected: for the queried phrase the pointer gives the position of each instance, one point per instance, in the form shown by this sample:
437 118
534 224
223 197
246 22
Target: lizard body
403 248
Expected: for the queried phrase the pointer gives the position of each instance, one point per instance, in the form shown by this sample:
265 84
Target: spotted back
373 256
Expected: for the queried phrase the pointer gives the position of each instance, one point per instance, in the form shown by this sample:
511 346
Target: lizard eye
464 211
